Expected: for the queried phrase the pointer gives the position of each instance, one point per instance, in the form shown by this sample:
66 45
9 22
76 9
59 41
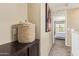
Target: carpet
59 49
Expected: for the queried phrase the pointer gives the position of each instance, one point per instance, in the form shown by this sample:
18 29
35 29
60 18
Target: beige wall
72 22
73 19
36 15
10 14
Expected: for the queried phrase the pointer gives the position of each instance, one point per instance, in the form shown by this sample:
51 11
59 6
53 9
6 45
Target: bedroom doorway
60 26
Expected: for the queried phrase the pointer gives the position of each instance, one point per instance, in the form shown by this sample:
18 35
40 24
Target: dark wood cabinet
20 49
33 51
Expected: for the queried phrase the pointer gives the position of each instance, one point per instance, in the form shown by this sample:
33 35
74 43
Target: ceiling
63 6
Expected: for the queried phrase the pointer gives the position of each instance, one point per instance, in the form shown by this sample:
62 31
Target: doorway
60 26
60 47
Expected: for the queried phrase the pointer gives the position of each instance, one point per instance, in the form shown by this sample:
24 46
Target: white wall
46 37
10 14
75 43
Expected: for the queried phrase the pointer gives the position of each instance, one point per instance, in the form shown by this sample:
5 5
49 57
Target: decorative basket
26 33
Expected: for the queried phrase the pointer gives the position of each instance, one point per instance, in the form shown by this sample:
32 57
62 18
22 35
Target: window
60 28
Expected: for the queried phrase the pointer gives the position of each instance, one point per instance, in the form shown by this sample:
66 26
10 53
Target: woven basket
26 33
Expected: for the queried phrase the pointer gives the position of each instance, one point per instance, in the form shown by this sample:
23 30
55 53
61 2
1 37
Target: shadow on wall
14 32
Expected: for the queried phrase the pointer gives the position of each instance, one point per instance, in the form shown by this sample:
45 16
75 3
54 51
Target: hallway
59 49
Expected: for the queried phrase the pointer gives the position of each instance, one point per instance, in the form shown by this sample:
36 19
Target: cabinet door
23 52
34 50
